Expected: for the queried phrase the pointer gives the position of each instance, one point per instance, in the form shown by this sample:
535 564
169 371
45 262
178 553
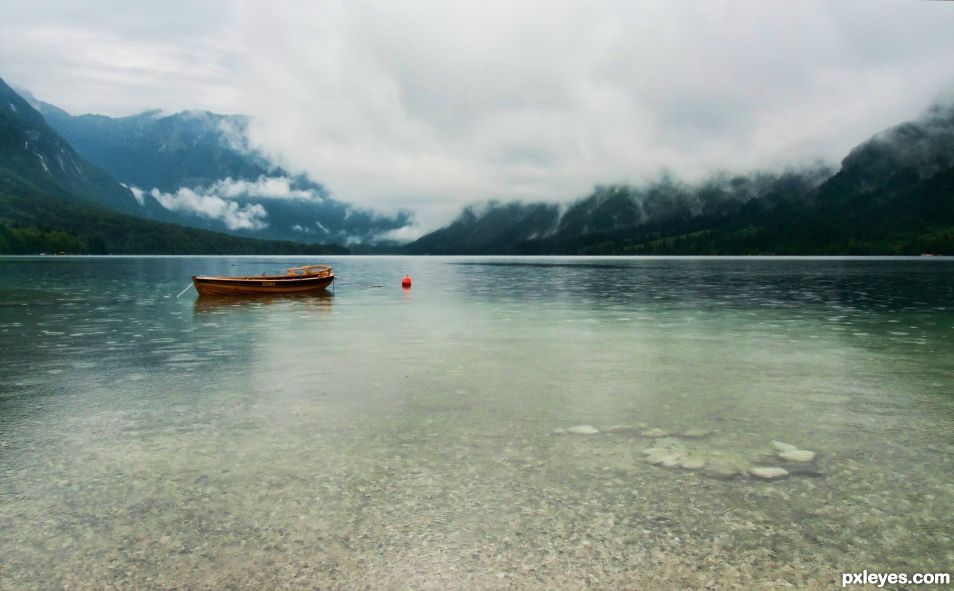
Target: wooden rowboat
305 279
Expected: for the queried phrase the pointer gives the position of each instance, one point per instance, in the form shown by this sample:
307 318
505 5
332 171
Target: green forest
33 223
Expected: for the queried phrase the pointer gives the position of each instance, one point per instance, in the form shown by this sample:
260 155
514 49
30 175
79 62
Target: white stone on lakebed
797 455
693 464
768 472
583 430
782 446
655 433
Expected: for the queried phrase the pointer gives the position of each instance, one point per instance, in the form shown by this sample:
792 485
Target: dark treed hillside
894 194
32 223
493 230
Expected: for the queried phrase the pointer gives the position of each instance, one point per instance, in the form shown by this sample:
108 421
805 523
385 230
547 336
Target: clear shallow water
378 438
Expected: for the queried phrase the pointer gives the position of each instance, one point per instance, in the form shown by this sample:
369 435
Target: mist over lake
506 423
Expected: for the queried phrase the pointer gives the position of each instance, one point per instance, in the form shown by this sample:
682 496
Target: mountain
30 149
53 200
493 229
152 150
613 214
197 168
893 194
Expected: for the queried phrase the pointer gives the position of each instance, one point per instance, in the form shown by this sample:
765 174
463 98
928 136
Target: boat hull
255 286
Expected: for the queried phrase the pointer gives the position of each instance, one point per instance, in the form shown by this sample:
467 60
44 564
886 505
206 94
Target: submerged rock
721 471
768 472
621 429
693 464
782 446
583 430
558 432
654 433
797 455
662 456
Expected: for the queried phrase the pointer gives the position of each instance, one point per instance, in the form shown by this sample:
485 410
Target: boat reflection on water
315 301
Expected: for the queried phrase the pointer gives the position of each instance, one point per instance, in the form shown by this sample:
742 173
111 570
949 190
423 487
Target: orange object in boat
298 280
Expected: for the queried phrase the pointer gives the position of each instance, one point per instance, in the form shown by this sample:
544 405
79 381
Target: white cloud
250 216
217 201
430 104
264 187
100 56
408 233
235 134
137 194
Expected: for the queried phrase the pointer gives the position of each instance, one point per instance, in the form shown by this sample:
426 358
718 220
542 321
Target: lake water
387 439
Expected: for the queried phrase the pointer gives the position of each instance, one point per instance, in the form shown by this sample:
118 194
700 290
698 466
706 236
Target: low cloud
428 105
263 187
408 233
250 216
218 201
137 193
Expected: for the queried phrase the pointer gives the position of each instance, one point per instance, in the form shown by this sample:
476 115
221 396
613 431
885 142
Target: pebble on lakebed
782 446
768 472
797 455
583 430
654 433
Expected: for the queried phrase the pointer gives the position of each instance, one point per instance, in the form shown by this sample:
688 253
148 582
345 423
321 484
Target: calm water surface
380 438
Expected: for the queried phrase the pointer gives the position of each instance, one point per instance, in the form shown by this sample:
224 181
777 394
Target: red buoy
406 282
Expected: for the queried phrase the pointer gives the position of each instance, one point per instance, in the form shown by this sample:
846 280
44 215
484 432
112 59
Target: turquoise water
383 438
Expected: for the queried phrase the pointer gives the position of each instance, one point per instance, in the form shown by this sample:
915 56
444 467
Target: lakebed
507 422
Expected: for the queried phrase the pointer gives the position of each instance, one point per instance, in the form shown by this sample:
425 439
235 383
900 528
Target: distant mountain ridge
495 228
53 200
164 151
30 149
893 194
198 167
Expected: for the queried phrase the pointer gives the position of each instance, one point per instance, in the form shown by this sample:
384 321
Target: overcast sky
431 104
